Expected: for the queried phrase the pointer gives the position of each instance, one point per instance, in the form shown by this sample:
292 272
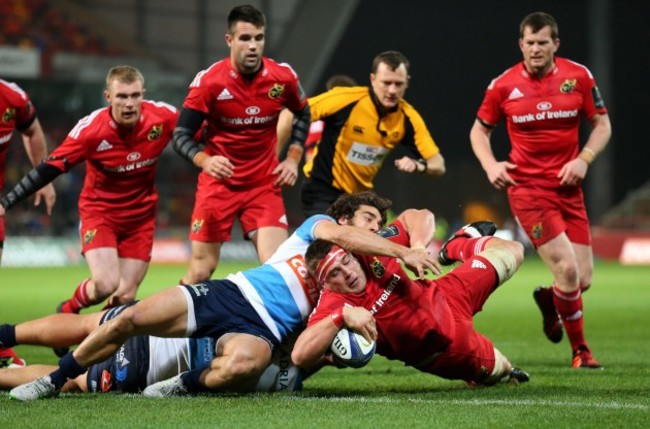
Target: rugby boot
551 322
472 230
516 376
171 387
37 389
9 359
582 358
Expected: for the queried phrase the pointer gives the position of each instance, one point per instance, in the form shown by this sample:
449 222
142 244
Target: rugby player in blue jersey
140 361
250 313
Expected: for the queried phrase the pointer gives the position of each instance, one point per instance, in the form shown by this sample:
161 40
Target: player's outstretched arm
358 240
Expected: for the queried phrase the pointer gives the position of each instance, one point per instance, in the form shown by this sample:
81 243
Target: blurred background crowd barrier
60 50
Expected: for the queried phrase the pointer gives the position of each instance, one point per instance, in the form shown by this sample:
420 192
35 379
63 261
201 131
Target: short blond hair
124 74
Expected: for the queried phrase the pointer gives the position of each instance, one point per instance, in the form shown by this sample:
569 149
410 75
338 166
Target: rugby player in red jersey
18 113
542 100
427 324
238 100
120 144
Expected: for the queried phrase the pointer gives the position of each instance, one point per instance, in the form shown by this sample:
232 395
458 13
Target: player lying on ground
258 308
140 362
424 323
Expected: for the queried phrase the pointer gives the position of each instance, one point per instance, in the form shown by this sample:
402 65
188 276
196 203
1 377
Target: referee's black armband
301 125
30 183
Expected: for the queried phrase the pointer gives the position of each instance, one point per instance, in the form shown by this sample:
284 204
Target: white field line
480 402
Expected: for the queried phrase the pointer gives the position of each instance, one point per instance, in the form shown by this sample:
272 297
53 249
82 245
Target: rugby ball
352 349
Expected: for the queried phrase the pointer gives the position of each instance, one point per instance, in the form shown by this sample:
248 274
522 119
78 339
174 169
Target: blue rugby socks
68 368
7 336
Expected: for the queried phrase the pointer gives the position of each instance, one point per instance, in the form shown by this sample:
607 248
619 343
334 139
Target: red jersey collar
552 72
263 71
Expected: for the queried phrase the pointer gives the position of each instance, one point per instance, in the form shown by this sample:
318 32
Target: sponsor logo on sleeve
389 231
599 103
307 281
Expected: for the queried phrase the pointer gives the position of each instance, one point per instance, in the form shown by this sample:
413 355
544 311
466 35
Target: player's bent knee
125 298
200 271
103 289
243 366
504 262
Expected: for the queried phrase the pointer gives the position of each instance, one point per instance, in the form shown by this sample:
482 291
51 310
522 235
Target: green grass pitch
386 394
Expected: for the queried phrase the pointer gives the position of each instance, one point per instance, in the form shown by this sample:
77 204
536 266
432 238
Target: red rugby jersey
120 162
16 112
542 117
413 320
242 113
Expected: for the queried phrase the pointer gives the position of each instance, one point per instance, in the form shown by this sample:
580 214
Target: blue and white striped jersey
281 290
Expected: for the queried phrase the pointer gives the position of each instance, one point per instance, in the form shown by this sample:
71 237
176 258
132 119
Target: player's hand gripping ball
352 349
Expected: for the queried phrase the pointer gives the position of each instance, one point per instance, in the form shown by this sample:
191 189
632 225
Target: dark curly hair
347 204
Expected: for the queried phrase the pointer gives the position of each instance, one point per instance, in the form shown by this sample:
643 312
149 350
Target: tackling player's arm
358 240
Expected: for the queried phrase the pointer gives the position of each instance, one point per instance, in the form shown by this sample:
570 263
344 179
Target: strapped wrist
337 318
295 152
587 155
